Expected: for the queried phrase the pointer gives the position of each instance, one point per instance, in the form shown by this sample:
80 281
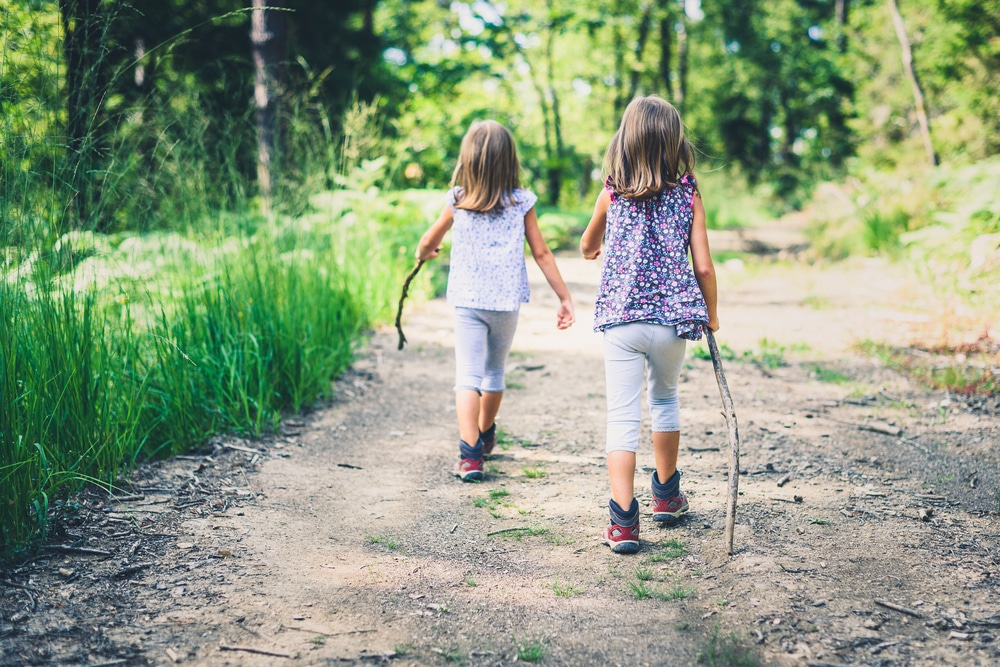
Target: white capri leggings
482 341
629 349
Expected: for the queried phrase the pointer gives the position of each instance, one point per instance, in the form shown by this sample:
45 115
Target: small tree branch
402 298
729 412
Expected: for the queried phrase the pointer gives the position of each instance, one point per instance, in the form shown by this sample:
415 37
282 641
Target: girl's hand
432 254
565 316
713 324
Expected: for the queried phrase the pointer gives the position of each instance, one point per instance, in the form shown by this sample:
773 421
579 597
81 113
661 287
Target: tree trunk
666 41
81 48
842 10
619 49
918 95
268 38
556 161
682 56
640 46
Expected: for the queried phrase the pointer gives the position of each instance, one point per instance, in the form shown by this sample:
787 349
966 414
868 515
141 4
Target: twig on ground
238 448
23 587
131 496
258 651
507 530
793 570
66 549
898 607
877 427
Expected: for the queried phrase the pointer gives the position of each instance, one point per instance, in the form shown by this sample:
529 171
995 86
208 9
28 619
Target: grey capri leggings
630 349
482 341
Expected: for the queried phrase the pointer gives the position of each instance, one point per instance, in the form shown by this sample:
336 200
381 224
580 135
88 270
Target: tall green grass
177 310
102 366
248 343
68 400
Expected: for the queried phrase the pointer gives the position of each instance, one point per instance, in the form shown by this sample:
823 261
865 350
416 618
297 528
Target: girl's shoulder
453 196
689 180
610 188
522 200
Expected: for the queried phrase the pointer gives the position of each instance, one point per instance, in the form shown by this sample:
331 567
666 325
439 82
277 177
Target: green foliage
672 548
970 369
768 354
824 374
678 592
727 651
702 352
562 229
531 651
639 590
564 589
883 230
389 543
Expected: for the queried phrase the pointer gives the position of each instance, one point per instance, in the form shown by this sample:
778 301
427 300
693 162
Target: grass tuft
726 651
531 651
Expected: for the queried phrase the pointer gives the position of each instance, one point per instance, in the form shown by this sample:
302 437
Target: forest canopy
128 108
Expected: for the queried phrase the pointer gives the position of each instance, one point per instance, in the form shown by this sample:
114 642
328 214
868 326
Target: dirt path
346 540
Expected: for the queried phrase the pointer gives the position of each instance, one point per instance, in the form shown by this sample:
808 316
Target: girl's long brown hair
649 152
487 169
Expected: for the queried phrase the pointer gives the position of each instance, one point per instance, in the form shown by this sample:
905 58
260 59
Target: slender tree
666 40
645 23
911 73
82 27
842 10
682 55
269 39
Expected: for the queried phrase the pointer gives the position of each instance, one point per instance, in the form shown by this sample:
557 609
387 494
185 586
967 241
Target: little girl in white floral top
490 217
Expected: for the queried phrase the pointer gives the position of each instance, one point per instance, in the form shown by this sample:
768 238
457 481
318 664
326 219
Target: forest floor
346 540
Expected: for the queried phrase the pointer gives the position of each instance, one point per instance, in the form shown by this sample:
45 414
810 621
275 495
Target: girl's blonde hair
649 152
487 169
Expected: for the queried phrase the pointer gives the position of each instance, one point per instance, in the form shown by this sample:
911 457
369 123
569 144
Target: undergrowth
966 369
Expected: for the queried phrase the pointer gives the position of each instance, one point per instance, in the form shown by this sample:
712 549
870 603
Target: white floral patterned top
487 254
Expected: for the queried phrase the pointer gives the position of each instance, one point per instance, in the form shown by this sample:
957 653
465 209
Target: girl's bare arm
701 259
590 243
547 263
430 243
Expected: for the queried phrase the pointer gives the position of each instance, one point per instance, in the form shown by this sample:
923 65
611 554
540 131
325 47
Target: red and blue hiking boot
668 511
470 463
622 539
489 440
669 502
622 534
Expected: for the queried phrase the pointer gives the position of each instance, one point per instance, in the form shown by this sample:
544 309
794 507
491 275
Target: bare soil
345 539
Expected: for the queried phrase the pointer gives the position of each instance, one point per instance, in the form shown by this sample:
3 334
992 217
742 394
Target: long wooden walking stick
402 298
729 412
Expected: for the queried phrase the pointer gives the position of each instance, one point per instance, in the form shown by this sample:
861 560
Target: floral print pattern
647 276
487 254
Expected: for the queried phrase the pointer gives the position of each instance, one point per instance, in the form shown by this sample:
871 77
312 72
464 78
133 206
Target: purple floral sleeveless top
647 276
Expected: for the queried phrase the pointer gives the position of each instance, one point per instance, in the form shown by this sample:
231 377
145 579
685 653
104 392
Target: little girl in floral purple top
650 302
